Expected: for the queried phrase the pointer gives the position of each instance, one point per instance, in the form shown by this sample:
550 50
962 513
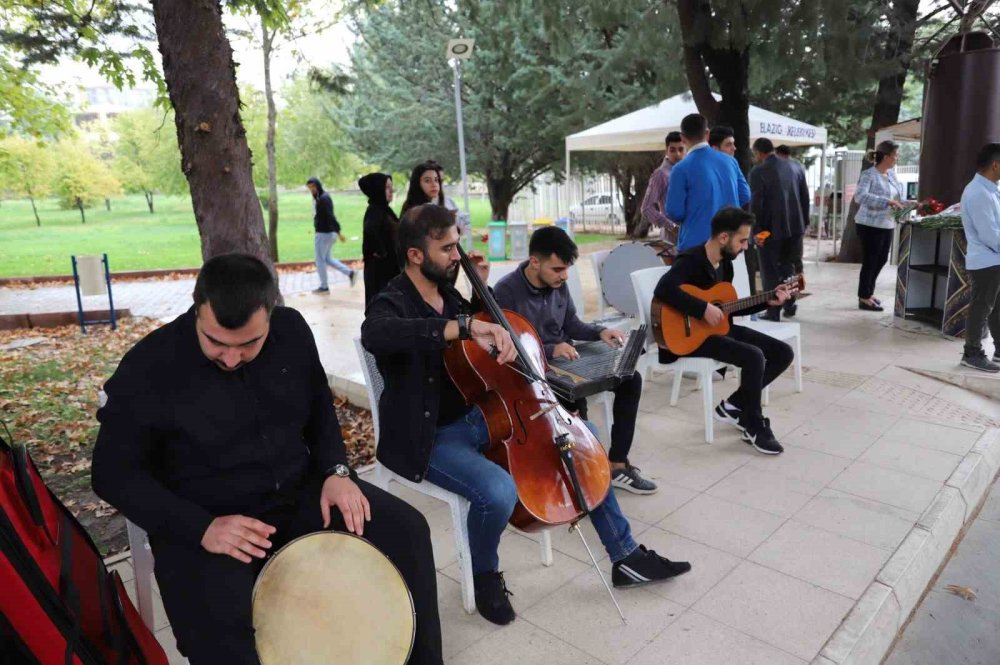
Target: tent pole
567 188
822 200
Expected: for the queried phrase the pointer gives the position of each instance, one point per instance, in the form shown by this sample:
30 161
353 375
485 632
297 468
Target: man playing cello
433 435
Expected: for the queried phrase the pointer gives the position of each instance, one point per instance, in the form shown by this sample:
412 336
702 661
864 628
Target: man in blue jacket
981 221
702 184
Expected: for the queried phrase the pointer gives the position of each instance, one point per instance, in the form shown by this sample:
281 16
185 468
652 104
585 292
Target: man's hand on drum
238 536
491 336
348 498
613 338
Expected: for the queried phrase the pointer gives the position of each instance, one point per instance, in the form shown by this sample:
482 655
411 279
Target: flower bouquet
943 218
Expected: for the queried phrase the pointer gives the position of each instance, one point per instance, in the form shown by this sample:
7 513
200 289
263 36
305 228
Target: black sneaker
790 310
644 566
353 277
980 362
728 413
629 480
996 357
762 438
491 598
322 289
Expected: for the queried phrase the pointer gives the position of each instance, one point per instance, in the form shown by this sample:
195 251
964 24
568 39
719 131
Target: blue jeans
457 464
324 243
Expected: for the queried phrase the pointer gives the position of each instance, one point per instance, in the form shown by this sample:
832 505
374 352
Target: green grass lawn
134 239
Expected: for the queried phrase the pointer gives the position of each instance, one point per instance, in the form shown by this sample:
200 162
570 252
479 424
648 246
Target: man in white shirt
981 221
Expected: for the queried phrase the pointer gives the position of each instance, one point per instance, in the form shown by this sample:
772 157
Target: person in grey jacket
779 199
879 194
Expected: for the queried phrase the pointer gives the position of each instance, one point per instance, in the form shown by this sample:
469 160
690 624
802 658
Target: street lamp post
459 50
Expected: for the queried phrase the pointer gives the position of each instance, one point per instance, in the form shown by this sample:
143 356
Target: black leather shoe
869 307
790 310
771 316
491 598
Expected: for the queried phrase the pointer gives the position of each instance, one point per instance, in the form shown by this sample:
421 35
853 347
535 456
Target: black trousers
984 309
208 596
761 359
624 411
780 258
875 246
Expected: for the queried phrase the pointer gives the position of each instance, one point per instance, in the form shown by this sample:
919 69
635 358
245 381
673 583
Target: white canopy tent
908 130
645 130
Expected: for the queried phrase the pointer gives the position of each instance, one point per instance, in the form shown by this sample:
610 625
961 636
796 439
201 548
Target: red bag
58 603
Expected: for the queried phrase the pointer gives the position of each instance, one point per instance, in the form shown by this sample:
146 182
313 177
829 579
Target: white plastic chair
596 261
786 331
644 282
142 558
458 504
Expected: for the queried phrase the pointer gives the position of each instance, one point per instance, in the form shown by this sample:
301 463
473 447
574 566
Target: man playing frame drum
220 439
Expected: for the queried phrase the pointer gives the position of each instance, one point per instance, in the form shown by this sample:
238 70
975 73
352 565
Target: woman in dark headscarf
426 187
378 245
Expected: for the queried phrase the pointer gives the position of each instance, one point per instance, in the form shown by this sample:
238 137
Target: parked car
597 209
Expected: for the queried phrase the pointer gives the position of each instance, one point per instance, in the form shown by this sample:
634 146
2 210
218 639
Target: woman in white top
879 195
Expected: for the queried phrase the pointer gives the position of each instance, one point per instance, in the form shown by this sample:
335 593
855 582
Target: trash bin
540 223
497 249
565 225
518 240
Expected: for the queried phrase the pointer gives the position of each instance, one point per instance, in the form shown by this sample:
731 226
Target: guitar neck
741 304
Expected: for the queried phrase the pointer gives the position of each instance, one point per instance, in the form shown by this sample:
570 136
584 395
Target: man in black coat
780 202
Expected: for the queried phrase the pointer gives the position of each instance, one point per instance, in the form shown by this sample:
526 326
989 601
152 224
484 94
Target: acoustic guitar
682 334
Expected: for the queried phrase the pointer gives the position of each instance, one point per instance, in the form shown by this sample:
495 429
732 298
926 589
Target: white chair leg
460 524
765 396
608 417
382 477
798 364
706 398
675 390
142 562
545 541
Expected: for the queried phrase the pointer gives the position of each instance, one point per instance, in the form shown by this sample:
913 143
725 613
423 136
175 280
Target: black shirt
408 343
183 441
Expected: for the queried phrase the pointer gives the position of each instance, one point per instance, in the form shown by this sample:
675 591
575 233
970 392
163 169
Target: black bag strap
67 588
26 488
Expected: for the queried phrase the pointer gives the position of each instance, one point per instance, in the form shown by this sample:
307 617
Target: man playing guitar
427 430
761 358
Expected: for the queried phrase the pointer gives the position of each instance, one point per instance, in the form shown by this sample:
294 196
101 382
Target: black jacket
409 349
324 221
378 245
779 198
693 267
182 441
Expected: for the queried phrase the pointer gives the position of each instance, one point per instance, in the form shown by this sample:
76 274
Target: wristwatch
464 331
339 470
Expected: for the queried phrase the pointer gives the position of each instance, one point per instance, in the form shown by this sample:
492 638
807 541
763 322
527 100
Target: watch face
342 471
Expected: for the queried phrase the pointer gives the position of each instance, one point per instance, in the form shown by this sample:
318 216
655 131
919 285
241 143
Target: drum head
616 280
333 599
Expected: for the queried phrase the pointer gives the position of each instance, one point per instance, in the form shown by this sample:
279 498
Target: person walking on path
878 194
702 184
981 221
780 202
327 232
654 203
378 244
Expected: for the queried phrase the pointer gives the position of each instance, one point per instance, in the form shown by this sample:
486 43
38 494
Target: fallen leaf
968 593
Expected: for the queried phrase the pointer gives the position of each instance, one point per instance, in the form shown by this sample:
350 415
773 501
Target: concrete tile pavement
781 547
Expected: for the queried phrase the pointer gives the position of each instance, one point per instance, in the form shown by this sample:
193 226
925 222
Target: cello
560 469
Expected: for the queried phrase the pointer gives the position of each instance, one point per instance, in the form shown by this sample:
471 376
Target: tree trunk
149 200
79 205
730 67
201 80
973 11
31 197
501 192
267 40
888 101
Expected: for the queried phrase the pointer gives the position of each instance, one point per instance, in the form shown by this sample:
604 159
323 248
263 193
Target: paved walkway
157 299
947 628
782 548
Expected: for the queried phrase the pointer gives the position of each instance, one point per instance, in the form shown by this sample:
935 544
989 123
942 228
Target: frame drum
331 598
621 262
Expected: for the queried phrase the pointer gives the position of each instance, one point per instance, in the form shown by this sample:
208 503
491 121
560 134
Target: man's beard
437 274
728 254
